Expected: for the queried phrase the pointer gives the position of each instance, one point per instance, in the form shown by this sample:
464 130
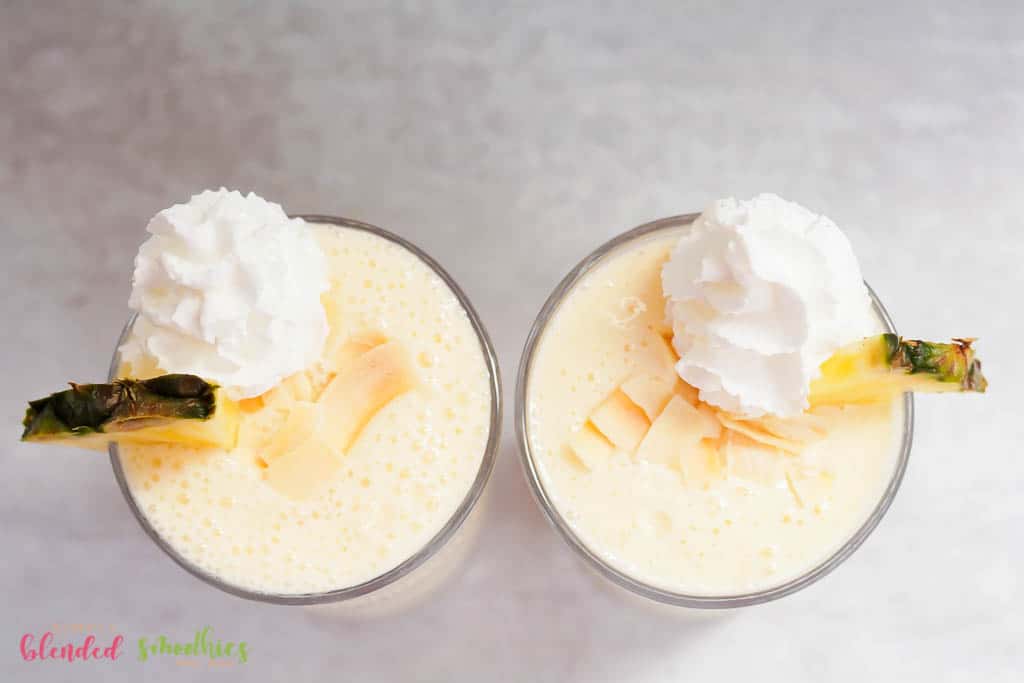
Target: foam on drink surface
747 533
402 479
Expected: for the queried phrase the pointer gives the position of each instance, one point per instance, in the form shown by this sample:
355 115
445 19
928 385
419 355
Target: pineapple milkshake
710 411
338 416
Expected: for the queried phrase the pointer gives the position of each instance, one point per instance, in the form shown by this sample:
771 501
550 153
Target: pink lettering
27 653
43 649
113 652
83 650
44 642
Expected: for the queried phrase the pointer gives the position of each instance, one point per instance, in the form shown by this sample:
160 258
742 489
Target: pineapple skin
880 367
182 409
951 363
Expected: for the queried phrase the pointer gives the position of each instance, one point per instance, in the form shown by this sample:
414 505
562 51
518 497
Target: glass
676 223
440 539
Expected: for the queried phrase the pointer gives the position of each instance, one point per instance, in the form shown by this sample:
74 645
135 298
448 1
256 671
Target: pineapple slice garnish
880 367
172 409
324 408
655 417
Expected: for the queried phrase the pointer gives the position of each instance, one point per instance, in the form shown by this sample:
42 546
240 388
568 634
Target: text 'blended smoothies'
714 407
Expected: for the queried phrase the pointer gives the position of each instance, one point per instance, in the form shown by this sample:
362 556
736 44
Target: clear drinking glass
406 571
663 226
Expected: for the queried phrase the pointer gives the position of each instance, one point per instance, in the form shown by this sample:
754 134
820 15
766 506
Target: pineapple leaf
953 362
122 405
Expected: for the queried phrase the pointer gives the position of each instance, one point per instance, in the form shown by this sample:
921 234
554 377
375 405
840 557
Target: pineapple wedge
176 409
880 367
657 418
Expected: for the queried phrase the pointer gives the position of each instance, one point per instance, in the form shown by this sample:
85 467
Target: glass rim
443 535
591 558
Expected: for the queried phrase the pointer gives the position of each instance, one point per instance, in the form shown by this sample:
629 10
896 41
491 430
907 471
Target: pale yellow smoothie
390 491
754 519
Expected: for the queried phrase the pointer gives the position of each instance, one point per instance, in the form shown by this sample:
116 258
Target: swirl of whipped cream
228 288
759 293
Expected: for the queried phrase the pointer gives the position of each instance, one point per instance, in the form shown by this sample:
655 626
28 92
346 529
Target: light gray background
509 142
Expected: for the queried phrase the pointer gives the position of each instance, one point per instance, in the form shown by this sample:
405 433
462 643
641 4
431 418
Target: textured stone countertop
508 142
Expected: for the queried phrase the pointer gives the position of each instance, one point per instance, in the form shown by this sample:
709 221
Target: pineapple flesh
661 420
880 367
175 409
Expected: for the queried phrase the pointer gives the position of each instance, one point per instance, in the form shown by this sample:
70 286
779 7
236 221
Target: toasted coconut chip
751 431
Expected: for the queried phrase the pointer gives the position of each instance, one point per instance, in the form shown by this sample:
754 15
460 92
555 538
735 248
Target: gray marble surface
509 139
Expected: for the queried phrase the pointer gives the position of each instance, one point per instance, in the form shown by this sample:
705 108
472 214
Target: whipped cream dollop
228 288
759 293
